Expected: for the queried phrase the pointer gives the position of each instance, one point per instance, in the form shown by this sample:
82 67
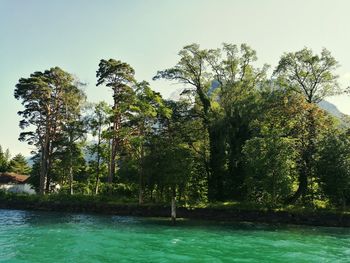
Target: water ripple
59 237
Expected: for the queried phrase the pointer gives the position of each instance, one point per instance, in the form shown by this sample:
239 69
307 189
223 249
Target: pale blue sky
76 34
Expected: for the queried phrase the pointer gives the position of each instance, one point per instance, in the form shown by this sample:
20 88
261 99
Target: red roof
6 178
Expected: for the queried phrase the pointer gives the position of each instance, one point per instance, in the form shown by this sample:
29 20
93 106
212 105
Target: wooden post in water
173 206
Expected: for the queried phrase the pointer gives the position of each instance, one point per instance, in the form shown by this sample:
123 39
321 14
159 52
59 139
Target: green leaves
272 166
48 98
51 100
19 165
309 74
233 134
333 167
114 73
4 160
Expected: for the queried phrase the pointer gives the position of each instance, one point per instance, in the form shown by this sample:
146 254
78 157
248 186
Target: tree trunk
237 134
43 176
115 142
97 184
48 167
113 160
140 190
44 165
70 164
109 157
307 159
71 178
141 176
274 197
98 162
217 161
173 206
302 187
116 127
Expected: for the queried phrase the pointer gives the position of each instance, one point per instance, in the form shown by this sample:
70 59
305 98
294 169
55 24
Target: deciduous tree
313 76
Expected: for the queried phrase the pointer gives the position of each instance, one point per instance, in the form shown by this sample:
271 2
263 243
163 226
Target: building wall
18 188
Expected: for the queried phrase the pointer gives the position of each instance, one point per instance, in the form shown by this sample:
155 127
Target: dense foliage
234 134
18 164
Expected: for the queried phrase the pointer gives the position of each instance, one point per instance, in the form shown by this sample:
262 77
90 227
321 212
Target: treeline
18 164
235 133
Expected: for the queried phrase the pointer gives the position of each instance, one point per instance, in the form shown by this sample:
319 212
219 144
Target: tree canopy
236 133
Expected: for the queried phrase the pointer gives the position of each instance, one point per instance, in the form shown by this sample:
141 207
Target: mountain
30 161
326 105
331 109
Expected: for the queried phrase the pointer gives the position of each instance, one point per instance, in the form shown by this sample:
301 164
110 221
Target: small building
15 183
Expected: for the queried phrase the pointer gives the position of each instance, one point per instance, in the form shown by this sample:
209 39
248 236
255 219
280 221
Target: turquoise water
27 236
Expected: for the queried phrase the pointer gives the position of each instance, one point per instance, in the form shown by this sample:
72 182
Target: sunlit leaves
309 74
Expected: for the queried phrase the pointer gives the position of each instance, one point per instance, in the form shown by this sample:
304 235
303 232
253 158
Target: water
27 236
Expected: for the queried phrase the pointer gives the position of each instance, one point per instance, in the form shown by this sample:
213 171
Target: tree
220 79
19 165
238 82
188 126
271 164
120 77
68 165
309 74
4 160
192 69
333 167
149 106
169 160
98 123
73 130
312 76
46 97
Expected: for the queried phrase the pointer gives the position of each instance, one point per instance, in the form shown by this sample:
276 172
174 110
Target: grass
318 207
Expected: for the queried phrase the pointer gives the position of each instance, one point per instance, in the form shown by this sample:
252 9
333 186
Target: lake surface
27 236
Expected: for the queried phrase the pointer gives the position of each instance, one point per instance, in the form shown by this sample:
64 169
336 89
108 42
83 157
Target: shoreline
316 218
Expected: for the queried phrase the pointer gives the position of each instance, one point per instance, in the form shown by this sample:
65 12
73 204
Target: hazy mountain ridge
325 105
331 109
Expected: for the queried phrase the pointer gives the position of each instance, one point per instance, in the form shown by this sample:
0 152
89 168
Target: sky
36 35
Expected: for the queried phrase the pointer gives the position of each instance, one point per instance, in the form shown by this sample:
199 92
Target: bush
118 190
